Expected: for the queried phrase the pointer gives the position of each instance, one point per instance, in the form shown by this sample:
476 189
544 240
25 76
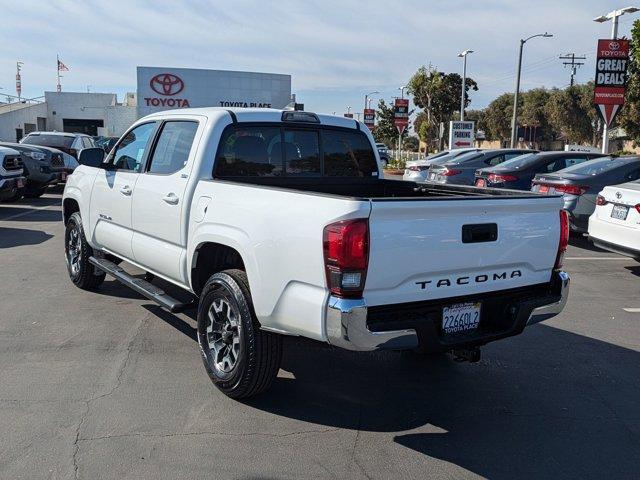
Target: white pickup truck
281 223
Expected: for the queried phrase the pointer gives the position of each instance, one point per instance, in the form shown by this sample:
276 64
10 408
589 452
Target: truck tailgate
417 251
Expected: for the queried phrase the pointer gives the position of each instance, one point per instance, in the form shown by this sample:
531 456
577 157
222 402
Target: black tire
31 192
257 353
15 197
77 252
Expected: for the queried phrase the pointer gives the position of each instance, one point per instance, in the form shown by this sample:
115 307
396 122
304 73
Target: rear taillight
571 189
418 168
501 178
637 207
346 256
450 172
564 238
600 201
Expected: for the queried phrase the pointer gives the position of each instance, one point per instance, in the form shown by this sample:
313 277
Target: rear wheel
77 252
240 359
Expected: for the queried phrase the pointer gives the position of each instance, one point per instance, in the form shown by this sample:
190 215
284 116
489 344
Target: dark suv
68 143
42 167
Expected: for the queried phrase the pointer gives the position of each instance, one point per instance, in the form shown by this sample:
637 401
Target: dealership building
158 88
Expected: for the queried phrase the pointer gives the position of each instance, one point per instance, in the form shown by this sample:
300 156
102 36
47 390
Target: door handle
171 198
126 190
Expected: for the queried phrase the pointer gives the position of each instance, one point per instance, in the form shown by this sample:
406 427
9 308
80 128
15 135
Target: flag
62 67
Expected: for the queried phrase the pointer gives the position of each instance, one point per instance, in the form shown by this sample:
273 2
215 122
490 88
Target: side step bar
143 287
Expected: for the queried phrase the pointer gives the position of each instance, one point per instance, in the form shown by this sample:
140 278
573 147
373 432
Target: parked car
43 167
615 223
11 179
518 172
581 183
417 170
68 143
461 170
383 153
280 224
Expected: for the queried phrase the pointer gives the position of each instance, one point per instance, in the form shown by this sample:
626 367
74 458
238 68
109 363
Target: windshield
518 162
596 167
48 140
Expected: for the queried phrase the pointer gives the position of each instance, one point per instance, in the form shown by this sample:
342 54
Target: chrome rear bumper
346 323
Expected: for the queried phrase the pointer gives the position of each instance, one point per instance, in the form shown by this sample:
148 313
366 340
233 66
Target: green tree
438 93
571 114
629 117
385 131
411 143
497 118
533 114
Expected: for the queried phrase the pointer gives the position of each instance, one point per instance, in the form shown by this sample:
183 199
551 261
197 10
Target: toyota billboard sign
161 88
401 114
611 75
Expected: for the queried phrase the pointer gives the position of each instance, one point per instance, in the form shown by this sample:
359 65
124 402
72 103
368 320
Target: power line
573 64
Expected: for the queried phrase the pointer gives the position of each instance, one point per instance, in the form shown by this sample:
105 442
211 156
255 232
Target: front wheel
240 359
77 252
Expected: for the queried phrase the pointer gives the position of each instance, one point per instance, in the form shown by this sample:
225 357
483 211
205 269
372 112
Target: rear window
49 140
597 166
266 150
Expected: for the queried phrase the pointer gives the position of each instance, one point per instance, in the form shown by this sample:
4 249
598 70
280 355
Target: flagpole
58 68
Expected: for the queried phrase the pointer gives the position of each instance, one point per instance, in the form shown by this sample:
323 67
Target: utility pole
573 64
463 55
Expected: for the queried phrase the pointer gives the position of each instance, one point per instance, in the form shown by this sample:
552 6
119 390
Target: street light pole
514 118
613 16
464 81
399 132
366 97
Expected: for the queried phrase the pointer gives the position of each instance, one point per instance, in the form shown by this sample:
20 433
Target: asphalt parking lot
107 385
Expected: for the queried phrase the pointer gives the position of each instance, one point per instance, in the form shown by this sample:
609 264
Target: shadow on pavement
31 215
634 270
580 241
555 404
14 237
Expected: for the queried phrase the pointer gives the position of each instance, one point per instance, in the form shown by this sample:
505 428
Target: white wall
87 106
14 116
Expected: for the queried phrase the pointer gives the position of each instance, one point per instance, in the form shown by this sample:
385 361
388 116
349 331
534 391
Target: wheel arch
210 257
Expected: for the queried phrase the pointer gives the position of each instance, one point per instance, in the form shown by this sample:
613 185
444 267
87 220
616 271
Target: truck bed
380 189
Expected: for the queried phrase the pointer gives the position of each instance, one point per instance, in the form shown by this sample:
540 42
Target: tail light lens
499 178
418 168
600 201
637 207
571 189
564 238
346 256
450 172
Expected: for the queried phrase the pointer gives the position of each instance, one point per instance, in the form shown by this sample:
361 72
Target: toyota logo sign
614 46
166 84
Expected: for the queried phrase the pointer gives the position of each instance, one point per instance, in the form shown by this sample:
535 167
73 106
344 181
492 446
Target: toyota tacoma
281 223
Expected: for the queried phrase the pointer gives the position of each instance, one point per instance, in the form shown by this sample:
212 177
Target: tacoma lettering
482 278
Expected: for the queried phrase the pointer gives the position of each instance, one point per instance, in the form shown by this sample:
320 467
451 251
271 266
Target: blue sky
336 51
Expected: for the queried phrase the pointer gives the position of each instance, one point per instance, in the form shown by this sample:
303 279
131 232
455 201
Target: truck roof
258 115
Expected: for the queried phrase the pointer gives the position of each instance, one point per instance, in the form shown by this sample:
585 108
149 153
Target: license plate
543 188
20 183
461 317
480 182
620 212
63 175
432 176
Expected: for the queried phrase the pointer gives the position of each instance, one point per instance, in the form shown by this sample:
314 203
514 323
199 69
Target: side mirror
91 157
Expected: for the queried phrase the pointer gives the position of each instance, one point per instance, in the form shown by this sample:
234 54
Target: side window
173 146
569 161
347 154
498 159
86 142
509 156
554 165
249 152
129 153
301 152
